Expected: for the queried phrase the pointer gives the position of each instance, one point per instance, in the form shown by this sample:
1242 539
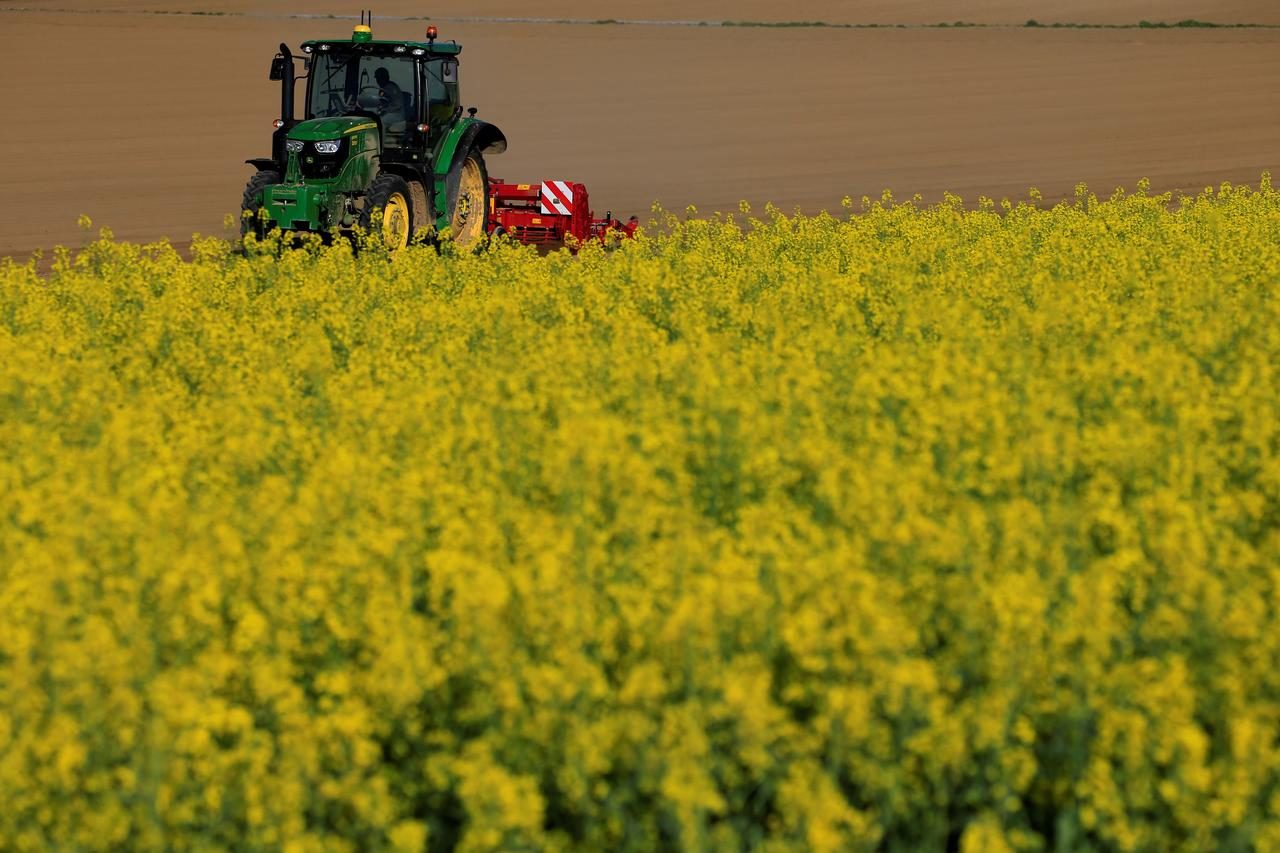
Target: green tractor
384 145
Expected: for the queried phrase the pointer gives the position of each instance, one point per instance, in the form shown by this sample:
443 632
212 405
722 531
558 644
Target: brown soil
142 121
1013 12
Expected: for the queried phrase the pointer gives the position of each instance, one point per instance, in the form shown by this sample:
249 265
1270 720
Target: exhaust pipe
286 86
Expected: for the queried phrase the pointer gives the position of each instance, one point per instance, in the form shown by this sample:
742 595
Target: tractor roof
383 48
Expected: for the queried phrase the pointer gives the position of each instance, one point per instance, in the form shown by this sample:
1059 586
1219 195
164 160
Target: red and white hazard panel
557 197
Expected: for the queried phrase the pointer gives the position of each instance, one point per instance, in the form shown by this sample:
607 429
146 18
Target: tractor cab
410 89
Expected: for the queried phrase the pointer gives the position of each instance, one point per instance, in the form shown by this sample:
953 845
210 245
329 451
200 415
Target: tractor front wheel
390 194
468 186
251 220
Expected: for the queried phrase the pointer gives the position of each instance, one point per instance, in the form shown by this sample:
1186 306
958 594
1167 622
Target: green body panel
287 204
322 201
316 129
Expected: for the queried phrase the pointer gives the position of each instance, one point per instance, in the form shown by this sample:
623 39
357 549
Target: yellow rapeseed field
912 528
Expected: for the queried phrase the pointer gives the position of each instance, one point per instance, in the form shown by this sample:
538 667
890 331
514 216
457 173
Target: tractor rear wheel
251 203
468 186
390 194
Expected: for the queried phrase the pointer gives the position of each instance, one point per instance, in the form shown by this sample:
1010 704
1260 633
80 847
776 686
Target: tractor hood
330 128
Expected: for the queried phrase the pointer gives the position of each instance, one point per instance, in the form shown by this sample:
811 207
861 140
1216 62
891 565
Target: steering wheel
365 102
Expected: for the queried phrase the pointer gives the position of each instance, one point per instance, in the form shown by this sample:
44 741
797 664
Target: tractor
385 147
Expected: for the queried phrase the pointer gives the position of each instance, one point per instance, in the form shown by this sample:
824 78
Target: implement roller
551 213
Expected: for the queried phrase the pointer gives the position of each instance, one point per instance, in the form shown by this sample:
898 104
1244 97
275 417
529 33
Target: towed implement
384 146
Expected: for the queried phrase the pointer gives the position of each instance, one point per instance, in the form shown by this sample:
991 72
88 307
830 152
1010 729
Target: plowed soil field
140 114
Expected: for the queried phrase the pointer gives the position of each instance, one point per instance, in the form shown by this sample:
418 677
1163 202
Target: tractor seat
396 123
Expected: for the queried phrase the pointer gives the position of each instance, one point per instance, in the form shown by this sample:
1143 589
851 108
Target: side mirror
277 67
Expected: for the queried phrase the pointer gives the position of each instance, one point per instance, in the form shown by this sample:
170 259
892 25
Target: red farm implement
552 213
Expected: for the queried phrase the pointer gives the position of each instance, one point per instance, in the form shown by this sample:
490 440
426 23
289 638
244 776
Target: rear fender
488 138
467 134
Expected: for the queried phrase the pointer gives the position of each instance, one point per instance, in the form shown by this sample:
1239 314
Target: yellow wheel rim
469 212
395 222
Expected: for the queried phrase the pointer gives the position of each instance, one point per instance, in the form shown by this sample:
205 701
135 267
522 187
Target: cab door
440 85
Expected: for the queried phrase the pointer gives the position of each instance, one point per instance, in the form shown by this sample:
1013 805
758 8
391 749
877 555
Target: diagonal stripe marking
554 198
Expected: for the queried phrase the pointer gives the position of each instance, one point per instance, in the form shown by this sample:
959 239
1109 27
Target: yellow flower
897 528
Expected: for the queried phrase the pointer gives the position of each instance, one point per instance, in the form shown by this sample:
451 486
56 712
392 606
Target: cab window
440 82
360 84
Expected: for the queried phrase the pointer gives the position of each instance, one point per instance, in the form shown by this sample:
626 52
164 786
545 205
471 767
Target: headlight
328 146
293 146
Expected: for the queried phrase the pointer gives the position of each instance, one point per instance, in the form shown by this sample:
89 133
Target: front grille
319 166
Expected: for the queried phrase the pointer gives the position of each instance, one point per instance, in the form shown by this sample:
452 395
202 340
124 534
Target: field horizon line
1032 23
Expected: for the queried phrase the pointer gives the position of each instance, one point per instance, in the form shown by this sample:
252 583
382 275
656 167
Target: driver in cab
392 98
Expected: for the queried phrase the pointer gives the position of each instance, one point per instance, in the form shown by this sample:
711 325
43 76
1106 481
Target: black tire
480 204
251 203
384 188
